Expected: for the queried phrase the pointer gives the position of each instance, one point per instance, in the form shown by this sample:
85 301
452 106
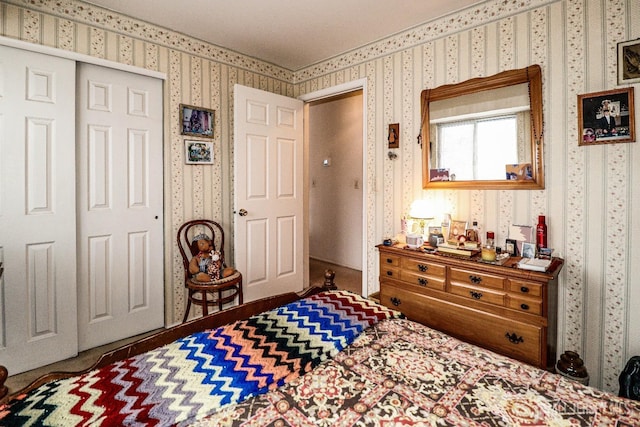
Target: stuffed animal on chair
206 265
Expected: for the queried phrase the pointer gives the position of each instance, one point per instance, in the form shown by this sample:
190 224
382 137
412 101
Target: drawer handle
524 289
475 279
389 261
395 301
389 273
422 267
513 338
524 306
422 281
475 294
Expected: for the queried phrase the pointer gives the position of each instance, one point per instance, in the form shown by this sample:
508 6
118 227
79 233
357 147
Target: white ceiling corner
292 34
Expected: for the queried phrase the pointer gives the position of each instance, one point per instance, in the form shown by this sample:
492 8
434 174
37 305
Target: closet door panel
37 209
120 203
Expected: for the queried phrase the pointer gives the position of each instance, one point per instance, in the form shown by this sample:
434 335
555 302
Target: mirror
484 133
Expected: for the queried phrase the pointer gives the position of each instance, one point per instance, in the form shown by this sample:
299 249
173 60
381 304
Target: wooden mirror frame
531 75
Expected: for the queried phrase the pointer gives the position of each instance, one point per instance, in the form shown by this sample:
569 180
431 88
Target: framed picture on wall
394 135
198 152
629 62
196 121
606 117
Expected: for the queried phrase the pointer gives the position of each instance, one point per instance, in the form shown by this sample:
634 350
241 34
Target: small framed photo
545 253
435 230
519 172
606 117
438 175
457 229
394 135
198 152
511 247
628 60
196 121
528 250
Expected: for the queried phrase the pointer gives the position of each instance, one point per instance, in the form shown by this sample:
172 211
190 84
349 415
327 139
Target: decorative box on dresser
499 307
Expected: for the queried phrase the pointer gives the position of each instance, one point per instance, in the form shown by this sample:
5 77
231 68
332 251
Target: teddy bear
206 265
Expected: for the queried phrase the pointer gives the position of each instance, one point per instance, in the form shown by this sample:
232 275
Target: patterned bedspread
401 373
199 374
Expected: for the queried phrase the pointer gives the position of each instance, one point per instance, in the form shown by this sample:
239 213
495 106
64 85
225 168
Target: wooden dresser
503 308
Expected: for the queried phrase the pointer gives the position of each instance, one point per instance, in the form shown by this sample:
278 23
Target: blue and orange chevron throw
197 375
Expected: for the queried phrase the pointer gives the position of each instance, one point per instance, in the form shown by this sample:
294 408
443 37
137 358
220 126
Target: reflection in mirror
484 133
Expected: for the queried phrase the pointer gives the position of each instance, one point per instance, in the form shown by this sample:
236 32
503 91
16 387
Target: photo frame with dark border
394 135
196 121
198 152
628 58
592 129
511 247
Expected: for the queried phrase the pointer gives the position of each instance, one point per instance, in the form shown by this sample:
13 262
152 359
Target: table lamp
420 211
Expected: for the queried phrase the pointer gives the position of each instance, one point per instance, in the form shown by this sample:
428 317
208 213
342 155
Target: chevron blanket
194 376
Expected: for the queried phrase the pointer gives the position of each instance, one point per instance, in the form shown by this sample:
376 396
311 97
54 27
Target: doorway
335 189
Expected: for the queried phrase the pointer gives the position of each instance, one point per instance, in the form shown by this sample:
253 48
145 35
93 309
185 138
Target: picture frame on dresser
528 250
457 228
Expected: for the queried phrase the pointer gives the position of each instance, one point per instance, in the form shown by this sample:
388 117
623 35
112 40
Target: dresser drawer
422 280
389 260
389 272
475 278
505 336
479 294
422 267
530 289
527 305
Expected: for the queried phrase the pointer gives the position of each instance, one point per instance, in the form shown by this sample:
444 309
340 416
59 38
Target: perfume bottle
488 252
446 223
541 233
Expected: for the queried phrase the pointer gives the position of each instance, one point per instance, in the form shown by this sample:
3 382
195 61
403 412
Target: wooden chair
209 293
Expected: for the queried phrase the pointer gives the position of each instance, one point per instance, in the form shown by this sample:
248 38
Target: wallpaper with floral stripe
589 190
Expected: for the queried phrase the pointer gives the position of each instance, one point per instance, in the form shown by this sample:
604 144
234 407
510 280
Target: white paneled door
37 209
268 192
120 253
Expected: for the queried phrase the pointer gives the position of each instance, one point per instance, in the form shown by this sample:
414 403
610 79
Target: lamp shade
420 210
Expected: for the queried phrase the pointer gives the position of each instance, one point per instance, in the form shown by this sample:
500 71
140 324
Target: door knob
243 212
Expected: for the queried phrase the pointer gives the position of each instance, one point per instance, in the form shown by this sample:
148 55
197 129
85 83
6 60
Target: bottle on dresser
488 249
541 233
446 223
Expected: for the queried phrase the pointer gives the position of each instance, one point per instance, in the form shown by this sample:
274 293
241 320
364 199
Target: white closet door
37 209
120 197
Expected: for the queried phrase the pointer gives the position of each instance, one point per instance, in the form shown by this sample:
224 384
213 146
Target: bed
320 358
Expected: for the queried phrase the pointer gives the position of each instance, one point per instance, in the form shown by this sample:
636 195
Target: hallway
346 278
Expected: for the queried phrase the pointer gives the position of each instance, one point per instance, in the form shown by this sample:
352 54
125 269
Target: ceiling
290 33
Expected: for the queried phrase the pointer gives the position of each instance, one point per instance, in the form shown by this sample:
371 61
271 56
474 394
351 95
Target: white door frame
360 84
